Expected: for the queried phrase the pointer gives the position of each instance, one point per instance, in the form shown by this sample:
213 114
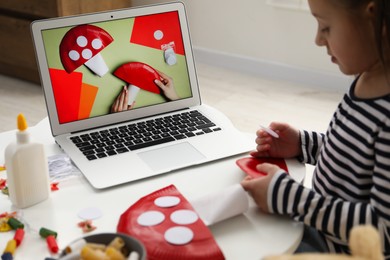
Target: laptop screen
116 65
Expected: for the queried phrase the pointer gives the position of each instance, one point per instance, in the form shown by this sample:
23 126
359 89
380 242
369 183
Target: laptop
122 94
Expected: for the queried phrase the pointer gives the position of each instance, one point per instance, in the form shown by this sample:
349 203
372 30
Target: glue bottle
27 169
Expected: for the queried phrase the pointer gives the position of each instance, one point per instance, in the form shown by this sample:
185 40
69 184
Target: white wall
253 36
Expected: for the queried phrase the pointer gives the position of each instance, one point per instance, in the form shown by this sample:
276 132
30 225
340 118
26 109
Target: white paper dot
74 55
87 54
82 41
184 217
167 201
171 59
97 44
150 218
179 235
158 35
90 213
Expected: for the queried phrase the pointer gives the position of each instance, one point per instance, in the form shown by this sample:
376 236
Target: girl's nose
319 39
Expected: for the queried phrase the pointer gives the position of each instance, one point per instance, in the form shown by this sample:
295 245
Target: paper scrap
217 206
90 213
61 168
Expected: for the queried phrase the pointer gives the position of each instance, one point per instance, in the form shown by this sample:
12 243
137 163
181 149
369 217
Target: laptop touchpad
171 157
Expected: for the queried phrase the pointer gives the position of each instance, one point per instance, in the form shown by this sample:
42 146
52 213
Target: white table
251 235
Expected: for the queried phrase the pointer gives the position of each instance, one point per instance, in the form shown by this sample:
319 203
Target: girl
351 181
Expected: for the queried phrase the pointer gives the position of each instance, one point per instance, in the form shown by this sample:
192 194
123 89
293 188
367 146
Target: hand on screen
167 86
120 103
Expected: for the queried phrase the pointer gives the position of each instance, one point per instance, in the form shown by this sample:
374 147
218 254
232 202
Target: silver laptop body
80 96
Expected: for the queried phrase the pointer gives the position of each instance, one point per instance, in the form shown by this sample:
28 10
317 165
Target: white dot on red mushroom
150 218
158 35
82 41
87 54
184 217
167 201
97 44
179 235
74 55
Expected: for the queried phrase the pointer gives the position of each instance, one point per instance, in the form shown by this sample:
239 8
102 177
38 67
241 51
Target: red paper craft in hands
248 165
139 74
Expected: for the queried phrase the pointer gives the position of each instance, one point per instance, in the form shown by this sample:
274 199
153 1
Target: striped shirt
351 181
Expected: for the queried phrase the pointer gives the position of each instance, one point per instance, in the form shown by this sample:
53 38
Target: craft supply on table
86 226
10 247
169 227
15 224
9 222
4 218
90 213
61 168
44 232
105 246
52 244
248 165
27 169
220 205
7 256
76 246
270 131
19 235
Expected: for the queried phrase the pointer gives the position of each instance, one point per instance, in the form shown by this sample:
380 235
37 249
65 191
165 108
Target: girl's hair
381 26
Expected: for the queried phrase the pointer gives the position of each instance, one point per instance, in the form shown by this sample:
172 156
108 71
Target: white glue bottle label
27 169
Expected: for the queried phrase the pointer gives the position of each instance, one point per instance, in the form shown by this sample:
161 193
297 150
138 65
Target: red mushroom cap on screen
139 74
81 43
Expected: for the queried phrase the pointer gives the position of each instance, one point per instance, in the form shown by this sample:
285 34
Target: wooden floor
246 99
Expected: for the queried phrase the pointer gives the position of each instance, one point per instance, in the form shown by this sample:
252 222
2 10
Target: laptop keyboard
139 135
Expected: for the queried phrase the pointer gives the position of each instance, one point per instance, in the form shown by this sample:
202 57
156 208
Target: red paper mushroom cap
139 74
248 165
81 43
202 246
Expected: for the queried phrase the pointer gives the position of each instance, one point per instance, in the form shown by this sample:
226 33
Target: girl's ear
370 9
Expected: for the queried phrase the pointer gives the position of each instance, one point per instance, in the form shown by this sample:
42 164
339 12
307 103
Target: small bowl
131 243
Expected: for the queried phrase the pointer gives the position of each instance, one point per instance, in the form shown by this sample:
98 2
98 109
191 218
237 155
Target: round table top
251 235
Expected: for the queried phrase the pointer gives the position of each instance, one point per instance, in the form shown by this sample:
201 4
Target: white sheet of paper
90 213
217 206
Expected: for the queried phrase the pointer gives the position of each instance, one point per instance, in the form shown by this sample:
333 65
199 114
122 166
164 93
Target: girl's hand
286 146
258 187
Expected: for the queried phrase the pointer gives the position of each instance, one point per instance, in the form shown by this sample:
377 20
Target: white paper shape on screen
158 35
96 63
150 218
217 206
167 201
184 217
179 235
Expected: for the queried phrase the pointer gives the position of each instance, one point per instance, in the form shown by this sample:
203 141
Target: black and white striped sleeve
331 215
311 143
